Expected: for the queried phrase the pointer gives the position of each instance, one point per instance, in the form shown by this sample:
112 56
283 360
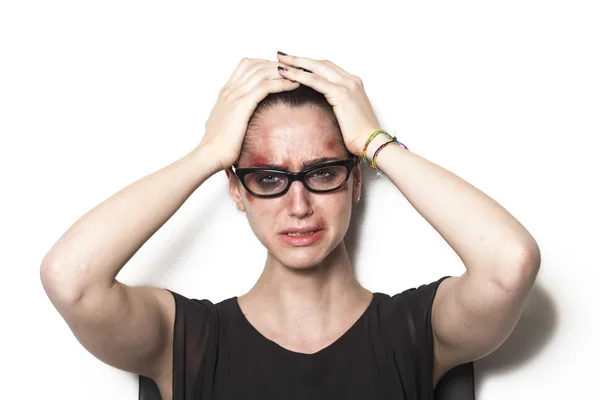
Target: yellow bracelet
377 132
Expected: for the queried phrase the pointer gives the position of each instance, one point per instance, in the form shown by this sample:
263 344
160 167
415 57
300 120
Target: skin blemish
249 198
258 160
331 144
262 162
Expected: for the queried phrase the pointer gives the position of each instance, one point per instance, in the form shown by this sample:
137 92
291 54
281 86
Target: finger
265 71
245 68
252 69
315 81
324 68
243 65
263 88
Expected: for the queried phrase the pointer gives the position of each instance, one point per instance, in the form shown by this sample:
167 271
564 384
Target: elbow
532 261
523 272
61 284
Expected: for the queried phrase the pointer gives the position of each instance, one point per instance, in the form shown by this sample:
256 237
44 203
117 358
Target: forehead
289 137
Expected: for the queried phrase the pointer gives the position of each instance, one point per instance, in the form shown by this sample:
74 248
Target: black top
386 354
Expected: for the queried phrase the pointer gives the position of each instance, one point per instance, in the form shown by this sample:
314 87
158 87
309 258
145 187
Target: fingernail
282 53
279 67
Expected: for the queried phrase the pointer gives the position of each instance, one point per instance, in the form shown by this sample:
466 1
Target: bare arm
131 328
472 314
127 327
475 313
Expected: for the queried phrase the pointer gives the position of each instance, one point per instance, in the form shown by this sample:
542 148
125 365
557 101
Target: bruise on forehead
261 141
259 160
255 141
256 156
331 144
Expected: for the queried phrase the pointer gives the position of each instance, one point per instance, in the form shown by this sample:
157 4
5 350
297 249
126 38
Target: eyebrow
305 164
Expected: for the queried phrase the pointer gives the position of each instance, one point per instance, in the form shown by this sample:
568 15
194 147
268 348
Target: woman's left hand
345 92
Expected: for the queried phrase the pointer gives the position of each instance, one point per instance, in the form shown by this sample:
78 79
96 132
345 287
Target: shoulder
194 327
204 314
405 318
416 301
191 307
404 322
193 319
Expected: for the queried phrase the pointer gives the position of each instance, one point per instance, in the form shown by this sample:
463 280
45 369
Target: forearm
487 238
99 244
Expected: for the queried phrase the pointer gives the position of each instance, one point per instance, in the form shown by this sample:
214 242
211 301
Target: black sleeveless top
386 354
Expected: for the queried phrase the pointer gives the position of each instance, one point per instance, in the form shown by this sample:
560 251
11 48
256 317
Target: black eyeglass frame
349 163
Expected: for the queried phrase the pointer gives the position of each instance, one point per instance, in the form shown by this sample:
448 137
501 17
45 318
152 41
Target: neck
326 288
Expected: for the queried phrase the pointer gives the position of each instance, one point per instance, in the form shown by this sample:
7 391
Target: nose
298 198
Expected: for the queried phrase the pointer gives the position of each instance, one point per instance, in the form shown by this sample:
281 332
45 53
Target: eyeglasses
321 178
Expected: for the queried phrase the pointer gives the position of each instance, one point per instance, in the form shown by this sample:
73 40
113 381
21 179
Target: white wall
94 95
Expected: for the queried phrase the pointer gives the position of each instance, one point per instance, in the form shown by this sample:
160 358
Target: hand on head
226 126
344 91
254 79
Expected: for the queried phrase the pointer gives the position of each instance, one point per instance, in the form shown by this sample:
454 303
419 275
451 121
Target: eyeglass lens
269 183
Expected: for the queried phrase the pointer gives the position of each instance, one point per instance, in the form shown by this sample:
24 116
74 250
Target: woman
307 329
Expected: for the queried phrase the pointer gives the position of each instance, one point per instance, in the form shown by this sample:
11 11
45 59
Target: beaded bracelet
374 163
377 132
377 170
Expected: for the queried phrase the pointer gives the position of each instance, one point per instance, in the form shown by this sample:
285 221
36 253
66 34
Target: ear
356 190
234 190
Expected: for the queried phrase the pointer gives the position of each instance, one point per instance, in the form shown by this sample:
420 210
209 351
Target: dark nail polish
282 53
281 68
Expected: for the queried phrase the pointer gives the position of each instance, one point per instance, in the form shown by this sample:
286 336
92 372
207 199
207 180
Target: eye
324 173
268 178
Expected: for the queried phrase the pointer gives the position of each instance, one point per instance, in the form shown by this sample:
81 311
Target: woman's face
288 138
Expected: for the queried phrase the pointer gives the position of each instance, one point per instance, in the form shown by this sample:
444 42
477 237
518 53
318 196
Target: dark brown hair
301 97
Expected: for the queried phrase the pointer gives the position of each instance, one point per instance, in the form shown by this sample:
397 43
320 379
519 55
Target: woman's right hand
251 82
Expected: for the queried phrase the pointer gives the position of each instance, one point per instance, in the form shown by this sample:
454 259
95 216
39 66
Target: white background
95 95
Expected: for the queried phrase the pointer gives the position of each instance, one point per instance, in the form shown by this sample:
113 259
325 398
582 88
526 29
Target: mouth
300 239
301 231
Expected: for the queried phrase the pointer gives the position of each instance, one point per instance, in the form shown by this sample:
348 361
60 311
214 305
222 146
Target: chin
302 257
300 263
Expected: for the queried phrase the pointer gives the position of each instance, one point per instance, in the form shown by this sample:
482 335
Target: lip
306 240
302 230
